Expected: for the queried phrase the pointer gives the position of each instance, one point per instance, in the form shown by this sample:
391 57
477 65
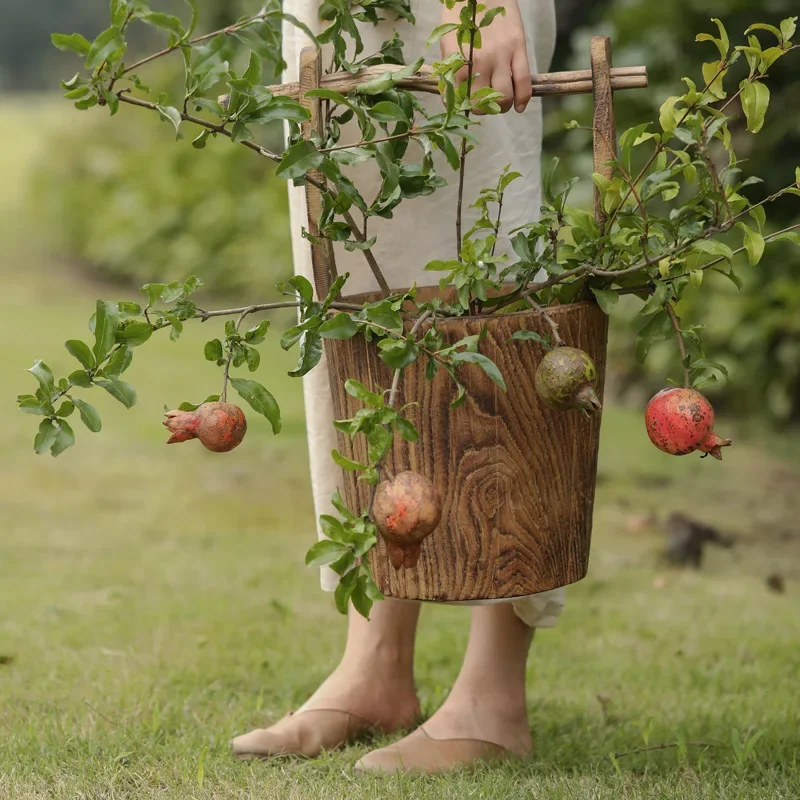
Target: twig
557 340
262 151
664 747
497 222
708 265
681 344
661 145
198 40
368 254
225 374
408 134
463 158
229 312
393 399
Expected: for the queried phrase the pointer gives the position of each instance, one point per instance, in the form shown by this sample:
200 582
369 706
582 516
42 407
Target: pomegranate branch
681 343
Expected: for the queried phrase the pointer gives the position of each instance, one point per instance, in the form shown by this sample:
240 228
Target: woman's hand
502 60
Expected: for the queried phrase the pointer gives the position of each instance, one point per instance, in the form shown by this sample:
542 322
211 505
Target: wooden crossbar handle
544 85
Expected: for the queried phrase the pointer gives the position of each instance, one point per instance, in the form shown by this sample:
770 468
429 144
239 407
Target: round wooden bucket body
517 478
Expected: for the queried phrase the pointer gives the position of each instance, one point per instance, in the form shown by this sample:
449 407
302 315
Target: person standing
485 715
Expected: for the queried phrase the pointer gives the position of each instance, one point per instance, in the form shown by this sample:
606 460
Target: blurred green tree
756 332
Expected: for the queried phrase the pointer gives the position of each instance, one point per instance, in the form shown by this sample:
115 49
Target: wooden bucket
517 478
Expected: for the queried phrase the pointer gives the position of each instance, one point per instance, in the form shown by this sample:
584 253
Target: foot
475 724
352 702
484 714
421 752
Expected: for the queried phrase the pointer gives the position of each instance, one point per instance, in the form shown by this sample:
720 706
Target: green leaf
119 361
81 351
325 552
666 116
339 327
48 430
344 590
333 529
299 159
787 236
379 440
531 336
260 399
257 333
105 329
72 41
172 115
310 354
164 21
606 299
119 390
485 363
762 26
108 46
714 248
346 463
67 407
760 216
80 378
755 102
29 404
788 28
212 398
89 415
199 141
135 334
439 31
386 111
406 429
65 438
213 350
753 243
362 602
43 374
360 392
252 357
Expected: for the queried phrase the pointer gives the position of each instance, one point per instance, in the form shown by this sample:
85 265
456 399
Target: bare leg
375 678
487 700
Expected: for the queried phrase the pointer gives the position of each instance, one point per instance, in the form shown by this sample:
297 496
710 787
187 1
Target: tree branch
198 40
463 158
125 97
681 344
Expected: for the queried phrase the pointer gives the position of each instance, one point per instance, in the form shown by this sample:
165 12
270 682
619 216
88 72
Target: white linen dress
423 228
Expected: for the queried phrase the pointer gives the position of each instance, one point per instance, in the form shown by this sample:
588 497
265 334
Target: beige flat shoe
421 752
305 733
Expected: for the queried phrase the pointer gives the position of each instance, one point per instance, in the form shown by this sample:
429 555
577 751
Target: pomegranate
219 426
680 421
566 378
406 510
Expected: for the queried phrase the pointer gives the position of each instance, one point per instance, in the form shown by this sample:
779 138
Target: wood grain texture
517 477
322 258
604 123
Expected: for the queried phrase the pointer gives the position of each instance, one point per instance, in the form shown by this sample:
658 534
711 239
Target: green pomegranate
566 378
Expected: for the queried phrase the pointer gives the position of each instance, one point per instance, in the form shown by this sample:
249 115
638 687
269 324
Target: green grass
154 603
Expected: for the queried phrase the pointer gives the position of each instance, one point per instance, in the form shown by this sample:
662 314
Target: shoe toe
387 759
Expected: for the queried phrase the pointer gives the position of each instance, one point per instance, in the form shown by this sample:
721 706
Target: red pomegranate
406 510
219 426
680 421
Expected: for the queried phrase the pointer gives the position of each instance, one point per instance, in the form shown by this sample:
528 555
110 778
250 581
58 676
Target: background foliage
754 332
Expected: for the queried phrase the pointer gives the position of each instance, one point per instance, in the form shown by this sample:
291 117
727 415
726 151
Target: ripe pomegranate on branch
675 208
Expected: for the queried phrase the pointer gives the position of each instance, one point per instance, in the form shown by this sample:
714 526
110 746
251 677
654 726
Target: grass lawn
153 603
